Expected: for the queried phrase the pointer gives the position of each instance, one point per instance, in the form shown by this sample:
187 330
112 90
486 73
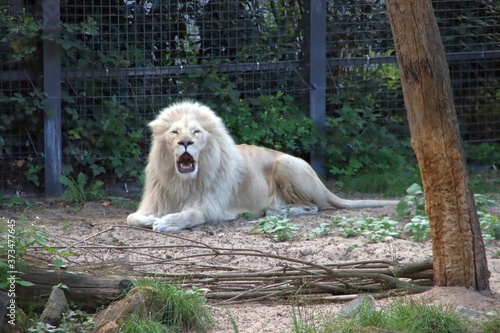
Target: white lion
196 173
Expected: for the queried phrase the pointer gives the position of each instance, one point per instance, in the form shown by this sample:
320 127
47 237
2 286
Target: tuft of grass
140 325
303 322
492 325
414 317
233 322
176 307
407 316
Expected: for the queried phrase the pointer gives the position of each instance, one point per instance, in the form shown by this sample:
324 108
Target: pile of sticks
291 279
309 282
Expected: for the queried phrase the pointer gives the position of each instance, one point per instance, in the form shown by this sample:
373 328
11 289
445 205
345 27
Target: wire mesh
123 60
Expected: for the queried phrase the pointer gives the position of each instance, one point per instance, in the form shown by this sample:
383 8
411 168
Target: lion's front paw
140 220
165 225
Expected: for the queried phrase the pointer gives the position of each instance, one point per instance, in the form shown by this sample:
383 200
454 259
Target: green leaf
81 180
24 283
58 263
40 239
414 190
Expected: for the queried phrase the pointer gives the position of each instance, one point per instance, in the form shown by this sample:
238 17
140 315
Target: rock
136 302
55 307
353 306
463 311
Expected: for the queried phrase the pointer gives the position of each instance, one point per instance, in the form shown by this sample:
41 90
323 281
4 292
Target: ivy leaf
58 263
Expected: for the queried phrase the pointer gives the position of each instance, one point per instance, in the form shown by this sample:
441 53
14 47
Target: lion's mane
219 164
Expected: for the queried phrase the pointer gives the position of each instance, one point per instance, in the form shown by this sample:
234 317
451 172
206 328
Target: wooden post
459 257
315 62
52 89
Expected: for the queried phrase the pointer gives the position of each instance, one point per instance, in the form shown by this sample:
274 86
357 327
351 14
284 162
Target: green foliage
399 316
140 325
22 33
412 204
280 124
418 228
411 212
77 190
18 236
376 229
490 226
483 202
103 142
72 322
178 308
15 201
486 181
278 227
363 135
324 229
483 154
492 325
412 207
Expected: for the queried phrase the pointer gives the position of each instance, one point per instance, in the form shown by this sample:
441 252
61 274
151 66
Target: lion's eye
197 131
174 132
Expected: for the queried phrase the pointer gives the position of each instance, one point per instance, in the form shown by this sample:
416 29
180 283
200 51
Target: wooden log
89 286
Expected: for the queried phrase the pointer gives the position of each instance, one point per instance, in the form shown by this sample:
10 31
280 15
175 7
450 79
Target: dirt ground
96 230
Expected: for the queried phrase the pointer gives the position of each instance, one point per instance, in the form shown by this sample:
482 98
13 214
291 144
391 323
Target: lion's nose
185 142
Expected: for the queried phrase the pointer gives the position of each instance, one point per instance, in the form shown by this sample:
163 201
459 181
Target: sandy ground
103 224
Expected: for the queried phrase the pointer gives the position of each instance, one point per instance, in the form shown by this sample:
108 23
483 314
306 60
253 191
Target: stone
353 306
55 307
465 312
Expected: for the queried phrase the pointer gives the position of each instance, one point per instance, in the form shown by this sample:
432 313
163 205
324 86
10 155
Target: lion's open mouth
185 163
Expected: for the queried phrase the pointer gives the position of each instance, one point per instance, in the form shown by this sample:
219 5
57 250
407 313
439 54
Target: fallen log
89 286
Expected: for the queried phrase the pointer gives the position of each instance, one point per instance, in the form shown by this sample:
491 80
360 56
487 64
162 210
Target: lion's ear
158 126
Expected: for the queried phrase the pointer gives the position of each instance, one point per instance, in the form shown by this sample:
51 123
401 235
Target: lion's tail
337 202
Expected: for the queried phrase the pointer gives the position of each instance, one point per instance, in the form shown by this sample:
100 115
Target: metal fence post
315 63
52 89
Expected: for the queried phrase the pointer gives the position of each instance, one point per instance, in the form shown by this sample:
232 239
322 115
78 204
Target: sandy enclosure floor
103 226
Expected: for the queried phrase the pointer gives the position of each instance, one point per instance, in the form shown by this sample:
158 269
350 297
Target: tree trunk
459 257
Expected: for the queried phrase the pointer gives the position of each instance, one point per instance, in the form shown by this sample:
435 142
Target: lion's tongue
185 163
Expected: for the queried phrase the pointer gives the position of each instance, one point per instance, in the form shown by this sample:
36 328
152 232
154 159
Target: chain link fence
121 61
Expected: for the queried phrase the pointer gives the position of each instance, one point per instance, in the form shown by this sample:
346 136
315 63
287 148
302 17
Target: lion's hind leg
298 190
